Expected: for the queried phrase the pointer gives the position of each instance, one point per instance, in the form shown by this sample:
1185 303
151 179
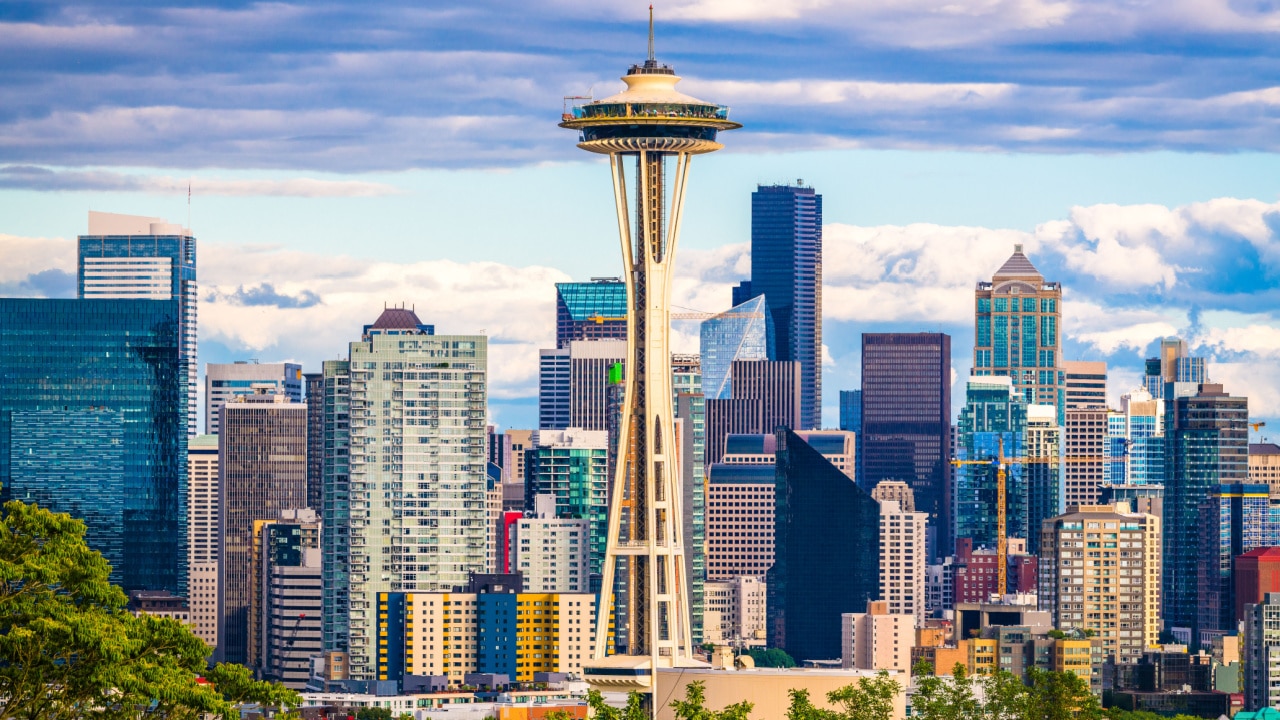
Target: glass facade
851 410
93 423
1234 519
335 540
786 268
826 552
595 310
690 409
993 413
571 465
744 332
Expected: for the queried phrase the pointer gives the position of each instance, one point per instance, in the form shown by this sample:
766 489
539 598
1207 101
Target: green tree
69 649
373 713
1004 696
944 698
694 706
602 711
802 708
871 698
771 658
1060 696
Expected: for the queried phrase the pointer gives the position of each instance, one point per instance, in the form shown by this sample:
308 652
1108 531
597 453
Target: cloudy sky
343 155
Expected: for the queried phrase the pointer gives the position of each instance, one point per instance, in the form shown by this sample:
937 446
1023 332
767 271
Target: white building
734 612
1260 645
202 536
877 639
553 553
223 381
903 563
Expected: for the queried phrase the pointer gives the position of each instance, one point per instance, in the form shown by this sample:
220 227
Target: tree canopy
771 658
70 649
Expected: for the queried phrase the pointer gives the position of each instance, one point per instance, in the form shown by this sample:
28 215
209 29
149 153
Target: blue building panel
744 332
496 633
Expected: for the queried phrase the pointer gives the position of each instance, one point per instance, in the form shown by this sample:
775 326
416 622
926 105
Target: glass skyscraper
993 413
744 332
851 410
1016 333
93 423
144 258
571 465
786 268
595 310
1234 519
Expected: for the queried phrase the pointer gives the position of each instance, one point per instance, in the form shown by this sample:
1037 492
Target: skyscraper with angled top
1016 333
595 310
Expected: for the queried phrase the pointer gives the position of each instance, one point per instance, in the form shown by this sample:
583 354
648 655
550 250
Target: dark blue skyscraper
851 410
786 267
93 423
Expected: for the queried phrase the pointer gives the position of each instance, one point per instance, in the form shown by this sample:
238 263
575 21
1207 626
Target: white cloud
24 256
859 95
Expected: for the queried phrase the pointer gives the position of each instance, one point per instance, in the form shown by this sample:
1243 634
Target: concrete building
877 639
287 629
1257 574
902 559
314 384
740 521
1094 554
766 395
735 612
1264 465
262 471
223 381
202 536
767 689
1260 646
570 466
553 552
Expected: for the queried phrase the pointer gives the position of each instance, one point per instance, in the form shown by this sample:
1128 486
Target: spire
651 58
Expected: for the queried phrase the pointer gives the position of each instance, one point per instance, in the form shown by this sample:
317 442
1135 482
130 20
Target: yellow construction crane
1001 463
1257 426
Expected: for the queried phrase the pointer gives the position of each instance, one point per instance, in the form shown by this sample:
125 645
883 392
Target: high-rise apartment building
1016 334
851 410
202 536
416 480
744 332
1234 519
1260 648
1264 465
1207 444
262 471
144 258
335 529
551 552
902 560
1100 572
691 435
285 629
815 579
569 466
766 395
314 384
906 420
595 310
786 268
93 416
223 381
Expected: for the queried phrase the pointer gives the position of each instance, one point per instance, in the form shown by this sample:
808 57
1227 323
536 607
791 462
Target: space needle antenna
651 57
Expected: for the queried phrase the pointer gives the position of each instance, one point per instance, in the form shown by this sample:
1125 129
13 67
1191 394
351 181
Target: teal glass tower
744 332
994 414
93 423
595 310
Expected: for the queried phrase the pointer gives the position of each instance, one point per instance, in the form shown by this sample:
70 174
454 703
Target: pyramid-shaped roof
396 319
1018 265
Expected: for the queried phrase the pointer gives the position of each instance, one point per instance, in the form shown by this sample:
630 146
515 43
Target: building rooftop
1264 449
396 319
1267 552
1018 265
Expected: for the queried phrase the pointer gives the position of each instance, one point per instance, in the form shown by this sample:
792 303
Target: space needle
650 131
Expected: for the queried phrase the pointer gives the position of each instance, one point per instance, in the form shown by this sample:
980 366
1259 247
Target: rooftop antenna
651 58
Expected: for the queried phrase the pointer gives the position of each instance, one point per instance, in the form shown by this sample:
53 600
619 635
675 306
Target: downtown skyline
1154 203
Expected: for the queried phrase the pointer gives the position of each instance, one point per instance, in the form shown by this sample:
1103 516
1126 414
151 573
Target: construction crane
1001 463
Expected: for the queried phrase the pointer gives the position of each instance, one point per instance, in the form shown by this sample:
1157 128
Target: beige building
767 689
734 612
521 440
903 562
1100 570
897 491
552 553
202 536
1264 465
877 639
1085 432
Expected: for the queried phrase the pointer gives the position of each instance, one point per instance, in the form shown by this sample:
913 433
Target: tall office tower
1264 465
1174 372
144 258
744 332
994 414
736 612
786 268
1114 590
691 416
335 511
902 559
595 310
569 466
877 639
418 482
589 364
315 440
1043 478
286 623
223 381
1135 435
262 470
837 446
1085 432
766 395
1016 333
1257 573
553 551
1207 444
202 536
851 411
94 424
821 514
906 418
1260 647
1234 519
553 389
499 445
672 127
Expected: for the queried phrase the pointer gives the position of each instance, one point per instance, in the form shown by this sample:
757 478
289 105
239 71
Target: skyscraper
1016 332
203 537
994 413
335 515
262 471
569 466
851 410
1085 431
93 423
416 479
1135 435
1260 650
144 258
902 558
1206 436
906 420
223 381
286 627
573 384
821 516
766 395
786 268
1174 371
744 332
315 440
1234 519
595 310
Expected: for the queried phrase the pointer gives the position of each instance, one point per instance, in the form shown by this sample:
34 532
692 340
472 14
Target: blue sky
343 155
